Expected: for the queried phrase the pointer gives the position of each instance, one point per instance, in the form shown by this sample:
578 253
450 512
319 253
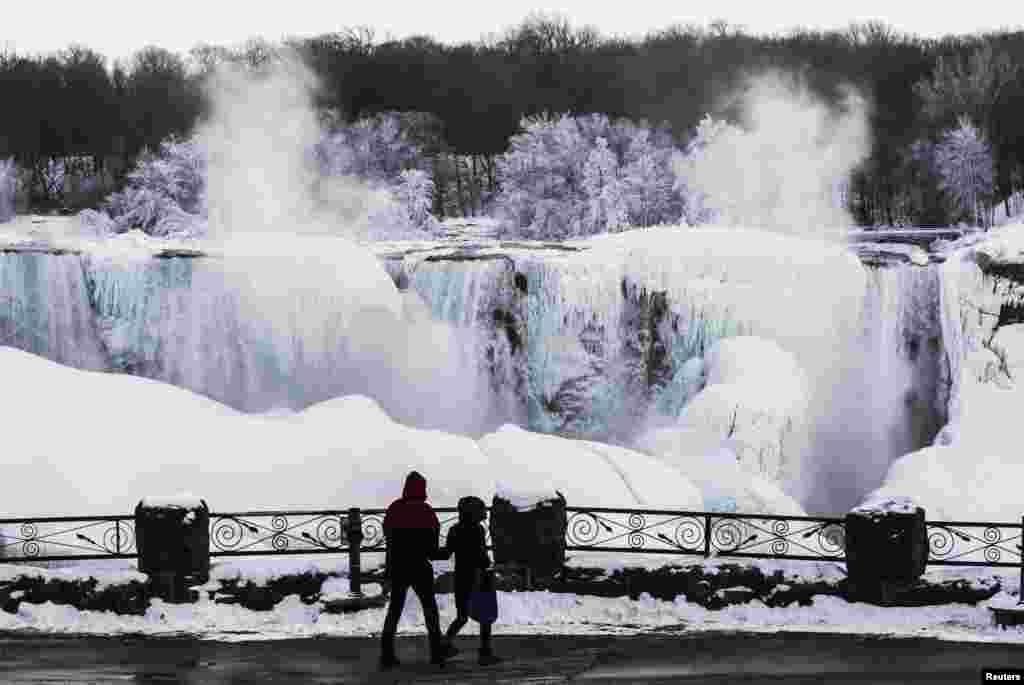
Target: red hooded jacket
411 528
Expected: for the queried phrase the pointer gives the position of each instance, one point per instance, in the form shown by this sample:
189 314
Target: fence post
354 534
707 535
1020 591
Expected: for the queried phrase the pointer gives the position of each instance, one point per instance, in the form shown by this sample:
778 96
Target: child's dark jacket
467 542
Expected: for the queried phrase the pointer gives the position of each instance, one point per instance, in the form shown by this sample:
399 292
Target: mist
781 167
286 238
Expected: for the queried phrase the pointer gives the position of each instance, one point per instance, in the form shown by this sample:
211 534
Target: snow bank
715 469
1004 244
524 613
739 436
957 483
587 473
80 442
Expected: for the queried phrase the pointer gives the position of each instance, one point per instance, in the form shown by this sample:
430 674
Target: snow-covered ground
520 613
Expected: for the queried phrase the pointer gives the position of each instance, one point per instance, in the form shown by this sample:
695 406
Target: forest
76 124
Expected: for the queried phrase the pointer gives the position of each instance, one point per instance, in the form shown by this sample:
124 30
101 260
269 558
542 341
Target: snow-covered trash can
172 536
529 531
886 544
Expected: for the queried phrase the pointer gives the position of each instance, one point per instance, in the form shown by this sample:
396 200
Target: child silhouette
467 542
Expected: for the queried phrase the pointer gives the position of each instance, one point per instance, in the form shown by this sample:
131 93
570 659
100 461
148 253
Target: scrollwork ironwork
373 531
582 529
992 545
66 538
689 533
832 539
227 533
618 530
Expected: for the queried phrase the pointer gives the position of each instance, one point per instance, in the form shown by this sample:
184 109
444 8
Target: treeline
76 106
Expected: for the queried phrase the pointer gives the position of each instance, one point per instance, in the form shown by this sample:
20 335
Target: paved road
784 658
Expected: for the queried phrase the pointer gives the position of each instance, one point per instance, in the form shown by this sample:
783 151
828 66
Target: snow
883 505
115 574
523 613
520 500
1003 244
735 438
339 453
184 500
535 463
715 470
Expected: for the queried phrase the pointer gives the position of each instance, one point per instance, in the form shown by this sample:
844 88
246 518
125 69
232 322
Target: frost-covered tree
604 190
967 170
384 177
650 186
542 179
368 176
165 194
566 176
415 194
376 149
52 177
8 188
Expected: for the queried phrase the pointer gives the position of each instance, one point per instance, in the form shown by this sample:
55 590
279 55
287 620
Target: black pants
463 587
422 583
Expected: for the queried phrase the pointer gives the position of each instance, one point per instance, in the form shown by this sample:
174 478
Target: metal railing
589 529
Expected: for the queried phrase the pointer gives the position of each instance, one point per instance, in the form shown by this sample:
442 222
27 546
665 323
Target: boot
438 652
387 652
488 658
449 649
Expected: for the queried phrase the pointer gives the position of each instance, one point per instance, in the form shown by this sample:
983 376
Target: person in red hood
412 532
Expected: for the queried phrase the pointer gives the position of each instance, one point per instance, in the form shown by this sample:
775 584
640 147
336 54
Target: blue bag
483 601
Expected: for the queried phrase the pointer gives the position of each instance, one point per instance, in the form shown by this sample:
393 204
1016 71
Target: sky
117 28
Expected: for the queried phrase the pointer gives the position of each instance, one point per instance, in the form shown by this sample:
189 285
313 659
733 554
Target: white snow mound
80 442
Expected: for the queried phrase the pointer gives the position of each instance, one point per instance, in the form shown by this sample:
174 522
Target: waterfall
591 340
45 309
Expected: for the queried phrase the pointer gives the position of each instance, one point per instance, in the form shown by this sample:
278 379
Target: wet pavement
594 660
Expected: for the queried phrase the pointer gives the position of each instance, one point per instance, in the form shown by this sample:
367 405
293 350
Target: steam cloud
285 234
784 165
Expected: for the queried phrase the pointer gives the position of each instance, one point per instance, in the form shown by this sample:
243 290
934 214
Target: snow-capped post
886 548
354 535
172 536
528 533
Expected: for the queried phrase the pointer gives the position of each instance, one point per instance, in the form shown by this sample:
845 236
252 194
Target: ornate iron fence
974 543
705 534
232 534
589 529
67 538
